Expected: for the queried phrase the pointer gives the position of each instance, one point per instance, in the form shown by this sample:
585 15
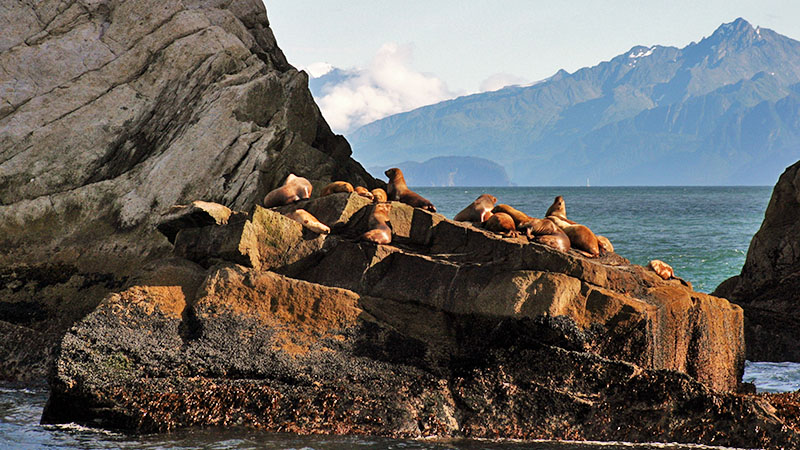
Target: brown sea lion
378 224
364 192
518 216
397 190
580 236
558 241
604 244
558 209
663 269
477 211
379 195
336 186
544 231
294 189
501 223
309 221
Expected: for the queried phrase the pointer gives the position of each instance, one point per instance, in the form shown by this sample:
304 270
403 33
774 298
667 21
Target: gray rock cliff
111 112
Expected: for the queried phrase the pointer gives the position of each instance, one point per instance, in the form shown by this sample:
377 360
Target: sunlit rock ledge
450 331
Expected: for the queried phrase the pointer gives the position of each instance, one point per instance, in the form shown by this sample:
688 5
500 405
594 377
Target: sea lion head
558 208
362 191
383 209
394 173
487 197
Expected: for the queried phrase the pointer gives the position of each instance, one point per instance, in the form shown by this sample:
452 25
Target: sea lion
294 189
336 186
544 231
580 236
477 211
663 269
364 192
309 221
518 216
378 224
501 223
397 190
379 195
558 209
604 244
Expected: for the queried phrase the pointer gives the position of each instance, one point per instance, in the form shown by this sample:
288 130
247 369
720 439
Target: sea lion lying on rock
604 244
661 268
502 224
378 224
364 192
397 190
665 271
478 211
336 186
518 216
580 236
379 195
309 221
544 231
294 189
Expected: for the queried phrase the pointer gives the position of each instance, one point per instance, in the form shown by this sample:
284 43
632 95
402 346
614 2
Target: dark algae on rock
450 331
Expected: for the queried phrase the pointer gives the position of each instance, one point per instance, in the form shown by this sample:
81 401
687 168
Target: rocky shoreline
451 331
234 315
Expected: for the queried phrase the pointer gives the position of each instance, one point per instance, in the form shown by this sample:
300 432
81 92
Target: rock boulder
450 331
768 287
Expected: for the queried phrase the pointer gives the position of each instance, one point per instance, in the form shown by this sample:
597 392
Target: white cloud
387 86
501 80
318 69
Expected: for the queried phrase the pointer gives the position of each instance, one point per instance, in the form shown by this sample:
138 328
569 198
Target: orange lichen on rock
301 312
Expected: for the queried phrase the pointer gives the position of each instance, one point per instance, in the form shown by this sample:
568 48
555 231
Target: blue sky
438 49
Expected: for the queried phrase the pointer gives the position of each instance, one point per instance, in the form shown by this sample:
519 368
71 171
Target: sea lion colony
554 230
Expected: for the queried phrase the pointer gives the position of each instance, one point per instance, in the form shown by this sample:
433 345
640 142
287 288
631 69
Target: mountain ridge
616 121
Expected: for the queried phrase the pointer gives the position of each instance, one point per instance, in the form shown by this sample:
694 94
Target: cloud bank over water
388 85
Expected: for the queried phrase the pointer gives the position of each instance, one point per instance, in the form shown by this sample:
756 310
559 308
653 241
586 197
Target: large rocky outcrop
112 111
449 331
768 287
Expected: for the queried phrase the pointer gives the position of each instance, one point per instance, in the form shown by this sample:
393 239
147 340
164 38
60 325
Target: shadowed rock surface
111 112
768 287
451 331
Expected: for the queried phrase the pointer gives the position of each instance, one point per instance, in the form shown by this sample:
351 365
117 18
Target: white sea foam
601 444
76 428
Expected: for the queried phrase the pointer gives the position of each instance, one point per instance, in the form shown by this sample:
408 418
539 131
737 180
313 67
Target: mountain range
721 111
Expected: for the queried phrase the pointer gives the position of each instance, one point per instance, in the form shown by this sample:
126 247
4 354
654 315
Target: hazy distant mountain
725 110
449 171
335 76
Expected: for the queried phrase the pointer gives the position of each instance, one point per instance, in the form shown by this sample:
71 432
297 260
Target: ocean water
702 232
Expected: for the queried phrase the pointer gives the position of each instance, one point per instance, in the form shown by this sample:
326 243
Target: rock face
769 286
111 112
450 331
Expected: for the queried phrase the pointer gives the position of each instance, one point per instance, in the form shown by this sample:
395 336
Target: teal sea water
702 232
